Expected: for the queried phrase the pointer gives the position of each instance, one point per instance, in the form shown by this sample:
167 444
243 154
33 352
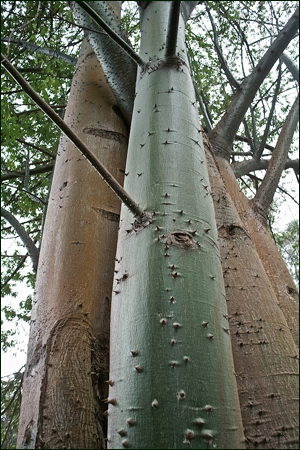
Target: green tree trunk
172 382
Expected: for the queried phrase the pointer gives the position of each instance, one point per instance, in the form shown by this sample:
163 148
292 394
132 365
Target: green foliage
30 140
10 409
130 23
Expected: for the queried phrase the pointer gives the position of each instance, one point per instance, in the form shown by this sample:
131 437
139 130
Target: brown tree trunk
64 382
286 293
263 348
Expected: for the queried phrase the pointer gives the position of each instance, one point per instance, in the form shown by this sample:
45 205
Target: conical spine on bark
67 364
172 375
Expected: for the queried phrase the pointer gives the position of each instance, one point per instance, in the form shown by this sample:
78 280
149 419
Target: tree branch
35 171
172 29
28 144
260 150
118 40
246 140
266 191
45 51
187 9
105 174
251 165
232 81
14 271
291 66
205 113
24 236
222 136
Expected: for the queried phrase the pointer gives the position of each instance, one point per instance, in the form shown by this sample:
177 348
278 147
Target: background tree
233 29
288 244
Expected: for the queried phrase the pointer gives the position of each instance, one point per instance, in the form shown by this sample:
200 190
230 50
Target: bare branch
232 81
45 51
172 29
35 171
222 136
266 191
291 66
10 277
24 236
28 144
121 69
62 125
251 165
203 106
260 150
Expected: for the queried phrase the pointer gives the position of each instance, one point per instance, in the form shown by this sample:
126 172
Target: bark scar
181 239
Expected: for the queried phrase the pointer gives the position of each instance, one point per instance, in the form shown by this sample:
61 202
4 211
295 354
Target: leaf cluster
10 409
38 37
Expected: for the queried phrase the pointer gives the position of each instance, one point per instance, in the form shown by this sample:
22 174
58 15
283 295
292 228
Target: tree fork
222 136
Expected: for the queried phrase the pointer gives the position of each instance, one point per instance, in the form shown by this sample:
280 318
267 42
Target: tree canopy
225 40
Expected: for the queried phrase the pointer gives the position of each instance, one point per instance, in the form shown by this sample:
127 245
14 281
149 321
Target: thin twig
28 144
13 397
105 174
10 277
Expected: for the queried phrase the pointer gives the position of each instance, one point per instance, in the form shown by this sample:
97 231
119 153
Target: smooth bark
171 371
291 66
115 36
120 70
74 138
67 366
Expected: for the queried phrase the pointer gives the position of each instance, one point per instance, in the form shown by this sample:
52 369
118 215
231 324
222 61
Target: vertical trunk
280 279
263 347
68 348
171 368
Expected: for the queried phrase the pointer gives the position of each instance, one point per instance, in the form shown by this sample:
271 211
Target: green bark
172 382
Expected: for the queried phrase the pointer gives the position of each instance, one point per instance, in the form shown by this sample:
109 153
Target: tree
175 308
288 243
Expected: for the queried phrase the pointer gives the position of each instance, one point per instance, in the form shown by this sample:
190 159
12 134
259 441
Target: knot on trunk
181 239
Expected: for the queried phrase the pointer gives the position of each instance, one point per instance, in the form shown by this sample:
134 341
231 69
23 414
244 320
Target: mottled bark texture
265 354
64 382
278 274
